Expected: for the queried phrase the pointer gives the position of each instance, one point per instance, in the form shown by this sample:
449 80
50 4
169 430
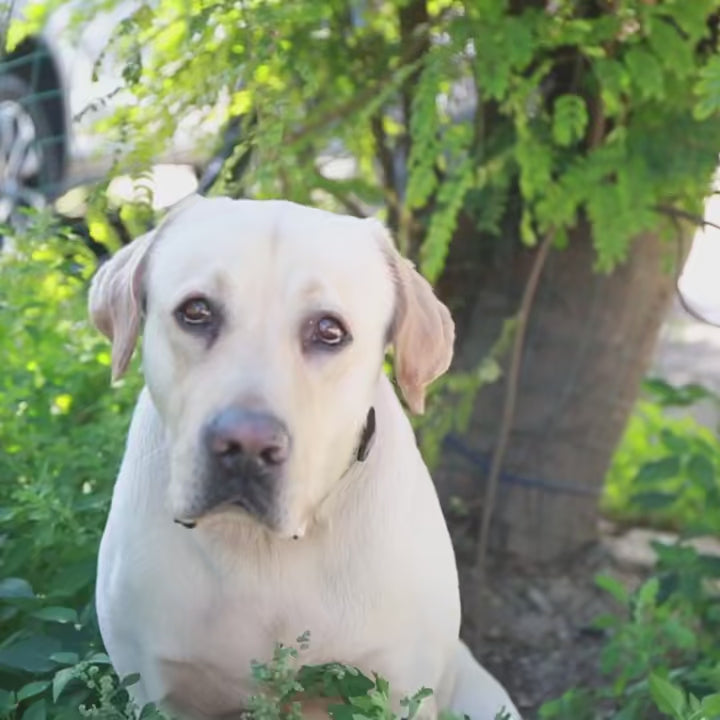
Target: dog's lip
186 523
233 506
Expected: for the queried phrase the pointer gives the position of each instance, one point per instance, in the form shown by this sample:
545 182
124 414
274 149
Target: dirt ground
532 626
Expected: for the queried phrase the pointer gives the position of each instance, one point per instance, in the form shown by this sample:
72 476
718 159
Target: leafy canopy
522 117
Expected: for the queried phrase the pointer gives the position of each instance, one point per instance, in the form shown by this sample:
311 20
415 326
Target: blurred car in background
49 101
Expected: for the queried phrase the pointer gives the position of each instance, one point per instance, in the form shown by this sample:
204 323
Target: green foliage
662 649
62 432
666 470
445 108
570 120
661 652
453 396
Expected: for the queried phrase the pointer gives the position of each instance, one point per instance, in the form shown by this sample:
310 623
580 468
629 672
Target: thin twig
350 205
674 212
387 164
511 391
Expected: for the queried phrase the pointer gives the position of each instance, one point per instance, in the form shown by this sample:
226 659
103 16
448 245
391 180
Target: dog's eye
325 332
329 331
195 311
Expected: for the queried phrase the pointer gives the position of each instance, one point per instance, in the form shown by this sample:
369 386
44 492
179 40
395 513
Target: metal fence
33 131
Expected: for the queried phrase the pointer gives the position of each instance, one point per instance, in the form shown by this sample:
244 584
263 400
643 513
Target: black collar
367 436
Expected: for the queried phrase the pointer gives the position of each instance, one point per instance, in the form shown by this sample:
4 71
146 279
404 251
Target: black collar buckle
367 437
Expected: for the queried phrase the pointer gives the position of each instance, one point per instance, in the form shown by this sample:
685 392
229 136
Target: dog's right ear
115 300
116 292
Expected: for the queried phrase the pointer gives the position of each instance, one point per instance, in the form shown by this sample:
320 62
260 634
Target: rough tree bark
588 343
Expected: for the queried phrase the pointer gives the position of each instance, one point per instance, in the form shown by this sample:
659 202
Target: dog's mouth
239 506
188 524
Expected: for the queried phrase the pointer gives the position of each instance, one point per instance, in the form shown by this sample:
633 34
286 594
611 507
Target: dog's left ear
423 329
115 298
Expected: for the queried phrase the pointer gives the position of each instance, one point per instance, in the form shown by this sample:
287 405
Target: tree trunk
588 343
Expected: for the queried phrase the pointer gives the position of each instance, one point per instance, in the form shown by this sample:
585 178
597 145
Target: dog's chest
205 654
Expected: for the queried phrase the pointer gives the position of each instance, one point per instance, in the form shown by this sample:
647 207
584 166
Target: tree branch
680 214
513 381
387 164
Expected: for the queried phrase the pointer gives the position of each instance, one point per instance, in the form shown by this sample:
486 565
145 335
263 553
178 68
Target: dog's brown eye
329 331
196 311
325 332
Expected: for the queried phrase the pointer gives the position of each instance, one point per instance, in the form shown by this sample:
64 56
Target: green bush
662 649
661 657
62 430
666 470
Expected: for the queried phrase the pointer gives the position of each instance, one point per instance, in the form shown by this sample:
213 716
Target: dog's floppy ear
115 299
423 329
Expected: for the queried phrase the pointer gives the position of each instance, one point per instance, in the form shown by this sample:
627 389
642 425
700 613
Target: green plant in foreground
90 689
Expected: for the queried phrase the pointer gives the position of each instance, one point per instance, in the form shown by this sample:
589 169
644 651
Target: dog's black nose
237 437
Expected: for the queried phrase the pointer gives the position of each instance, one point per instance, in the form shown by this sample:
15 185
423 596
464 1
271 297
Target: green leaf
99 659
675 443
413 703
707 90
56 614
30 654
37 711
341 712
646 73
60 681
614 82
65 658
669 698
536 161
614 587
570 118
710 565
15 588
711 705
444 220
32 689
150 712
129 680
701 470
671 49
647 594
653 500
7 701
658 470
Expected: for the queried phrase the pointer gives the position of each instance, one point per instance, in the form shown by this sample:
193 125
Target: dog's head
266 326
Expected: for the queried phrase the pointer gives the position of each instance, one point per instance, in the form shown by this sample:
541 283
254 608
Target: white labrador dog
271 483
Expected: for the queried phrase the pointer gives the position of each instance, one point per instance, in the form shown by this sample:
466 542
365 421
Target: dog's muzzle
245 453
